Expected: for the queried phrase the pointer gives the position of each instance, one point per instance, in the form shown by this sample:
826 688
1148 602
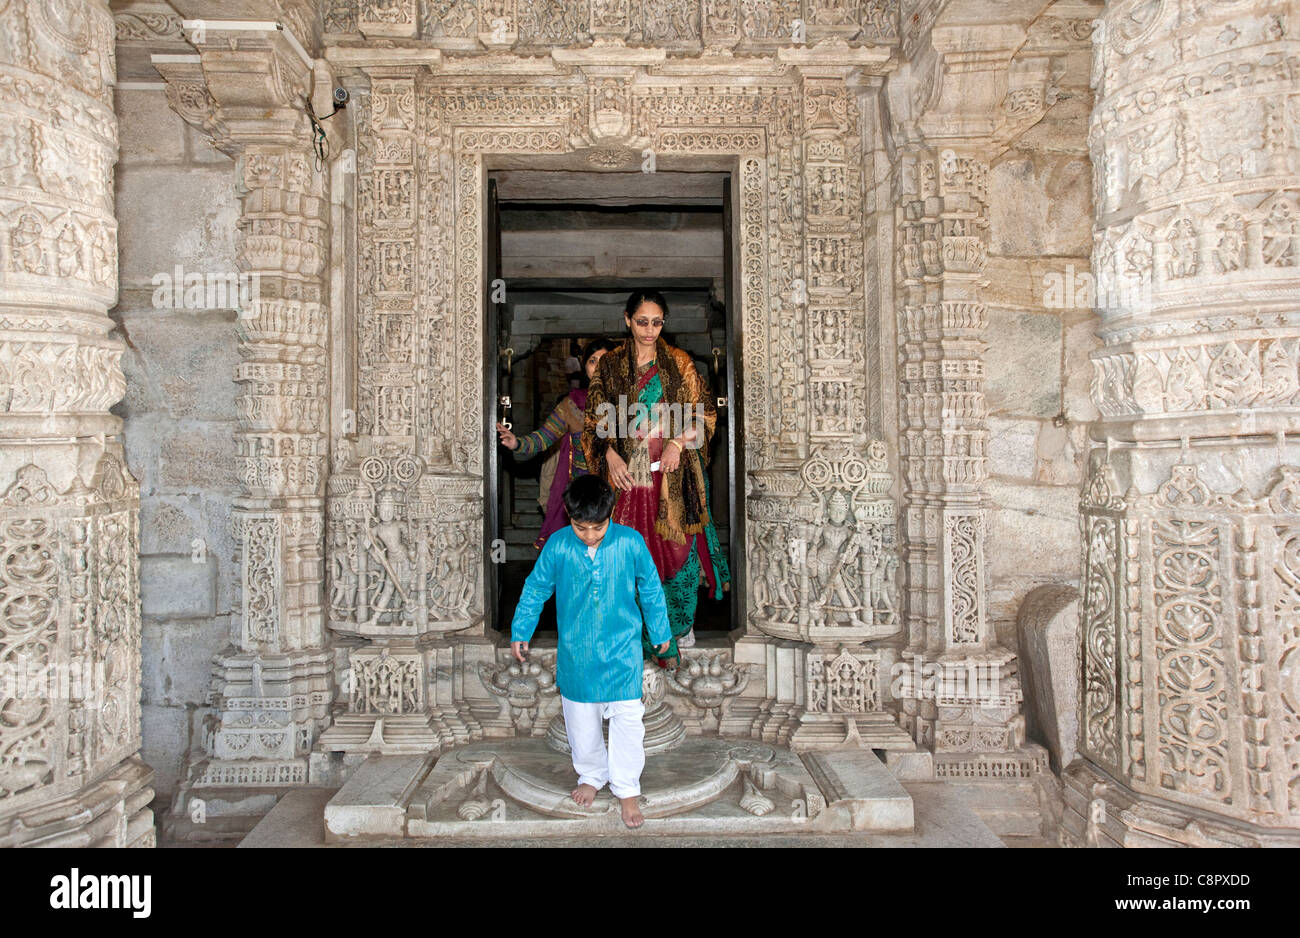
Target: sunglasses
646 323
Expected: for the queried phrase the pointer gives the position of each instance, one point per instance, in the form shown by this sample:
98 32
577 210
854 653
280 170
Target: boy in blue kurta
597 571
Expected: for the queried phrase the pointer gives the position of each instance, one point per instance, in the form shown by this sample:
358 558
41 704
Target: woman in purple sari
564 424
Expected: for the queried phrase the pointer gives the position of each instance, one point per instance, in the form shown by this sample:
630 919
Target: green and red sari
669 509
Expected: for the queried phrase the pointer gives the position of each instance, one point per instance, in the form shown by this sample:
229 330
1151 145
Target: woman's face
592 362
646 324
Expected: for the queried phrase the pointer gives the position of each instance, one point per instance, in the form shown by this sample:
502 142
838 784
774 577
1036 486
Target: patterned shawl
683 506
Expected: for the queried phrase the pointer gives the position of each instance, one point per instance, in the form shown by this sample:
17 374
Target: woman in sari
649 421
565 424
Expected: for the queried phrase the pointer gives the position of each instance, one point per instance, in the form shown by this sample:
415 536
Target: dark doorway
567 248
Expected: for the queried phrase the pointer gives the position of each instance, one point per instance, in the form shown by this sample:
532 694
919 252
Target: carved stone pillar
69 527
1190 707
943 223
273 688
946 139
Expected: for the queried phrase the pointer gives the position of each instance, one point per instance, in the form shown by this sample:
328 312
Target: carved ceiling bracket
968 87
244 87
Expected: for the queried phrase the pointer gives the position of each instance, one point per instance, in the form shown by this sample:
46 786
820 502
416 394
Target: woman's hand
671 457
508 439
619 477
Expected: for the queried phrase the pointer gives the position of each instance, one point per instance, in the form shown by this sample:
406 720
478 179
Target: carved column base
270 708
963 702
774 722
113 812
1191 579
1100 812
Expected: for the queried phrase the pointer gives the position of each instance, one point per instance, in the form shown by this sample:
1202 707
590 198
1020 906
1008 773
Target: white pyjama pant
621 766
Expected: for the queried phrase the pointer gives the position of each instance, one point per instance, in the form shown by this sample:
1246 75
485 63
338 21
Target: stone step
942 820
707 785
297 820
860 790
372 803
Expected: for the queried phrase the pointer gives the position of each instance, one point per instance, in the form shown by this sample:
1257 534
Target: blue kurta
599 657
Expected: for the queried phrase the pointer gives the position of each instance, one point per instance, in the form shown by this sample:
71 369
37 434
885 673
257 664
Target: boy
597 570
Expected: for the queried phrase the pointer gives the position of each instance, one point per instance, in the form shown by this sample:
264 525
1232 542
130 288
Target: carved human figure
346 570
25 241
69 251
778 571
388 545
882 581
1228 252
1182 250
457 579
835 554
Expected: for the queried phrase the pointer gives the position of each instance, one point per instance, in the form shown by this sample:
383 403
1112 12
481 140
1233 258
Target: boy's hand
519 650
663 648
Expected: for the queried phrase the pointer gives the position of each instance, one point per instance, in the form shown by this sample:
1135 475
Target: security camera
340 97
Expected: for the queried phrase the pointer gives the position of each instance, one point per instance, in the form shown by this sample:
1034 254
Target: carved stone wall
362 419
1040 324
69 535
273 691
179 414
1188 697
405 530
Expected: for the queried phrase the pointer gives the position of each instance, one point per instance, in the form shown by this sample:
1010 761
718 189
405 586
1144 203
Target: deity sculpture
836 551
386 543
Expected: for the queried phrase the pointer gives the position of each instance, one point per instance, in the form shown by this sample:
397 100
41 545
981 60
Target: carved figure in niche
828 180
828 329
1280 235
25 245
844 684
456 579
760 564
385 683
836 551
777 577
387 545
347 571
882 563
786 199
1182 250
69 251
1228 253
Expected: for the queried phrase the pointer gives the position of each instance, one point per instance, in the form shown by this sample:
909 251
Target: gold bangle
680 448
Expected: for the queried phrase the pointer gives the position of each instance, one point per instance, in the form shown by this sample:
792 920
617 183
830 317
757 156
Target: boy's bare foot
632 816
584 795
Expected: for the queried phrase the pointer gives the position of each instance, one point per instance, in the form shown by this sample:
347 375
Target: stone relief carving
1195 262
823 554
528 23
943 235
526 692
1189 622
402 555
69 536
708 682
386 682
69 632
844 682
